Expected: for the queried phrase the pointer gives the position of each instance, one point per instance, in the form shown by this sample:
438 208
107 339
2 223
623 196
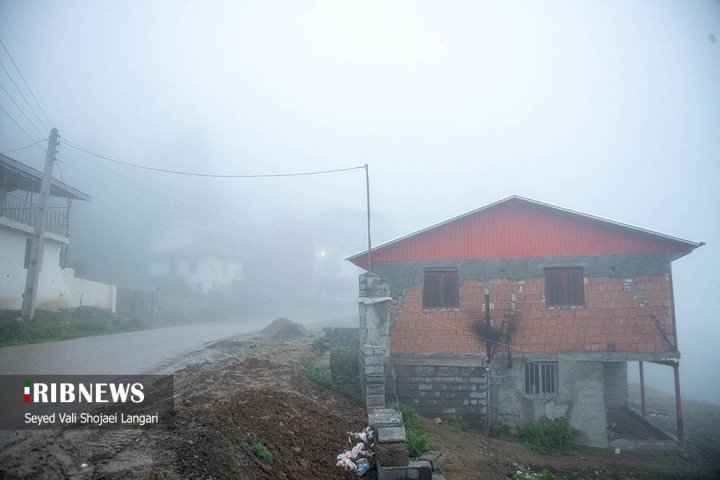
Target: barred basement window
541 378
564 287
440 289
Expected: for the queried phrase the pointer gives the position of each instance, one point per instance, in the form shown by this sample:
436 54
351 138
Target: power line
26 83
16 123
19 108
146 188
24 148
209 175
22 95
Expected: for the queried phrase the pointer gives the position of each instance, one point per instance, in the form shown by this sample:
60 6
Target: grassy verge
342 375
418 439
51 326
547 436
261 452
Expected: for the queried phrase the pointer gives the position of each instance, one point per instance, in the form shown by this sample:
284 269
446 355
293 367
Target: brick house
518 311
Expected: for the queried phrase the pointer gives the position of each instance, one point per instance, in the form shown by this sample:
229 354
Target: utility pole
37 245
367 193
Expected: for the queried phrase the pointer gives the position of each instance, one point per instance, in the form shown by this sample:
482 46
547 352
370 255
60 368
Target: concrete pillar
374 309
616 384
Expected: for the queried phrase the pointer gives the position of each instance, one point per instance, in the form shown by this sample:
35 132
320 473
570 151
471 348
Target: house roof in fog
179 239
521 227
18 176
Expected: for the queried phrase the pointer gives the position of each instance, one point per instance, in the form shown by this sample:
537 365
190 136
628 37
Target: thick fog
607 108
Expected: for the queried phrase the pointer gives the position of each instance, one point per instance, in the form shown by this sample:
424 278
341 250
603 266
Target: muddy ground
254 390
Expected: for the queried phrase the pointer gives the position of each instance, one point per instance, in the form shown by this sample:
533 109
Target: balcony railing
24 211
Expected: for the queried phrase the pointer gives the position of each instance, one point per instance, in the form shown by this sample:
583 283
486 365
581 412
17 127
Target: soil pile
258 393
284 329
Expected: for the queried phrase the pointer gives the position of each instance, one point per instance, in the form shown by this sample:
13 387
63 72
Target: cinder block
375 389
392 454
374 369
391 434
375 400
374 360
374 379
392 473
419 470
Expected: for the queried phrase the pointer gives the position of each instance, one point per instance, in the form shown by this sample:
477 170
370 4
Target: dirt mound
284 329
252 363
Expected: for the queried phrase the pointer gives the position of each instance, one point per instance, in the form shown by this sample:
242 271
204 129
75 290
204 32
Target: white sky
606 107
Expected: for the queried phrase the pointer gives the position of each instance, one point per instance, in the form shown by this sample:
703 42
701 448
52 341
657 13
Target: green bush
319 345
547 435
498 431
66 324
345 370
418 440
261 452
318 374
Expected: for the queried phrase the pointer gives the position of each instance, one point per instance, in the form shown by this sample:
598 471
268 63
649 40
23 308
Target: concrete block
374 379
392 473
392 454
390 434
374 369
375 389
386 417
374 360
435 459
375 400
419 470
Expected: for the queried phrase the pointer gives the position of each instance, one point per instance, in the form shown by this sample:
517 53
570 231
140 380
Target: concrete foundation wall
581 387
444 386
616 384
580 397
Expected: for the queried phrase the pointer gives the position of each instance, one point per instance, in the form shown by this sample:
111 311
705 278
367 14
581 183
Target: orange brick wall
612 314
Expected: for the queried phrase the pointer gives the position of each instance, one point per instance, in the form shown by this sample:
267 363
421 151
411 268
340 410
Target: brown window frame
441 288
564 287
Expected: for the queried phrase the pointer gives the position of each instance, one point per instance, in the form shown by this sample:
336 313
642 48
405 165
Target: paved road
150 351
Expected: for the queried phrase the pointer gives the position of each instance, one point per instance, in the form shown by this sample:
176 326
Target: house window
440 289
541 378
28 248
564 287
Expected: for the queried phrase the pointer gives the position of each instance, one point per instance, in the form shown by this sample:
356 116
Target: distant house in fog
521 311
58 287
188 256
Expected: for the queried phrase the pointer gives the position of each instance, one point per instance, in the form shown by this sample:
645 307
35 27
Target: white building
202 259
57 287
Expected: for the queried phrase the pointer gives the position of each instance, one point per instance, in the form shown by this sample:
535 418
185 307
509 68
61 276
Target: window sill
566 307
441 309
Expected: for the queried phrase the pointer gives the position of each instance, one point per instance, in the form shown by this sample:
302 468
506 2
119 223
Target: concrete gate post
374 308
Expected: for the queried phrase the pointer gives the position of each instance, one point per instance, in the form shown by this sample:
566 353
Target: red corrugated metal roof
520 227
